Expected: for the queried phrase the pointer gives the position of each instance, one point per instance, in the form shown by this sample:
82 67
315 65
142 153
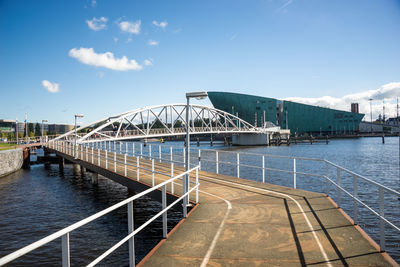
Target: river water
37 202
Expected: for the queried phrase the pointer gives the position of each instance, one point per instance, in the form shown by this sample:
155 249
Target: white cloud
153 43
161 24
51 87
97 24
115 39
148 62
130 27
107 60
387 92
94 3
283 7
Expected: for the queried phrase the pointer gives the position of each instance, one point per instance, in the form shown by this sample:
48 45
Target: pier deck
246 223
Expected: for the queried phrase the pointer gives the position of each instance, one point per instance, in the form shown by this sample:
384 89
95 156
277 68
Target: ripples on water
41 201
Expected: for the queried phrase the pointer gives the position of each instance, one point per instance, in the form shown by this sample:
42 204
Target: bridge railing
102 159
351 191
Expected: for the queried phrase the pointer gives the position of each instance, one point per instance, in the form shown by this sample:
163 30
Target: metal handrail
64 233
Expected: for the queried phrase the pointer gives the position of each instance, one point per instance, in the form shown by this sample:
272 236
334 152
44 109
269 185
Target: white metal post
382 242
263 169
131 227
87 155
98 157
339 190
150 151
294 172
133 149
141 150
137 168
172 175
126 147
355 210
106 160
216 162
200 159
125 167
152 172
115 161
237 165
164 205
184 157
197 188
327 176
92 155
120 147
170 153
65 250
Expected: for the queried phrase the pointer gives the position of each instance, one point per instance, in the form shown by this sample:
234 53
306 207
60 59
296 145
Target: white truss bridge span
161 121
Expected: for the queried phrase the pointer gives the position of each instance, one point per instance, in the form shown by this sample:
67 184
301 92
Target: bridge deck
247 223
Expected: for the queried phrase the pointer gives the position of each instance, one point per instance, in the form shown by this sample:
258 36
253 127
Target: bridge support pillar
77 168
61 163
83 170
95 178
250 139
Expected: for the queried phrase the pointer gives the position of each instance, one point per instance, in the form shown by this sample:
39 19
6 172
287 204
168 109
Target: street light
370 108
43 121
76 134
198 96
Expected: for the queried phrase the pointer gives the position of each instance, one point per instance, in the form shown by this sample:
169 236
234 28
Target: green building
299 118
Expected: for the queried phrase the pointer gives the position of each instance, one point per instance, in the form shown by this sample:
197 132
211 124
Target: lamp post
370 109
76 134
198 96
16 129
43 121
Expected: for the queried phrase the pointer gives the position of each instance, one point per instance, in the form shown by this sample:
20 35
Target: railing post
137 168
92 155
170 153
141 150
184 158
172 175
125 167
115 161
382 242
197 183
126 147
65 250
106 160
355 210
120 147
237 165
87 155
200 159
216 162
164 205
150 151
339 190
263 169
131 228
98 157
294 172
133 149
327 176
152 172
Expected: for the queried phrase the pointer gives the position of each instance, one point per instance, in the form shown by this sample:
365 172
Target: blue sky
53 64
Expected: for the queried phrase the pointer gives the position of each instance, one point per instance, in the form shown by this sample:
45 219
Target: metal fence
109 161
358 195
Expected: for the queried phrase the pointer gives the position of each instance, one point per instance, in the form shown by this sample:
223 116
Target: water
40 201
37 202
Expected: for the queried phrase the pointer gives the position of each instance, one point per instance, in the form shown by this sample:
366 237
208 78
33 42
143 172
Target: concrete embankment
10 161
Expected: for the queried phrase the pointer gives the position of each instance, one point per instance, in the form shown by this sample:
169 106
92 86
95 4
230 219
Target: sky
101 57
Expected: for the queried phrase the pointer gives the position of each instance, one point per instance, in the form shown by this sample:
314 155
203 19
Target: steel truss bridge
160 121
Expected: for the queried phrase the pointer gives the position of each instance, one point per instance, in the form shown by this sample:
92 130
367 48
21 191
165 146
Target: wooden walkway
240 222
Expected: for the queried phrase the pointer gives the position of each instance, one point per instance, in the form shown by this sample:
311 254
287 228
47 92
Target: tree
30 129
37 130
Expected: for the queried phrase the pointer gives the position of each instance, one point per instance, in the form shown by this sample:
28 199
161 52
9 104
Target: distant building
10 126
299 118
354 107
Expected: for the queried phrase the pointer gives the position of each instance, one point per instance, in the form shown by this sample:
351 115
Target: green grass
4 146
